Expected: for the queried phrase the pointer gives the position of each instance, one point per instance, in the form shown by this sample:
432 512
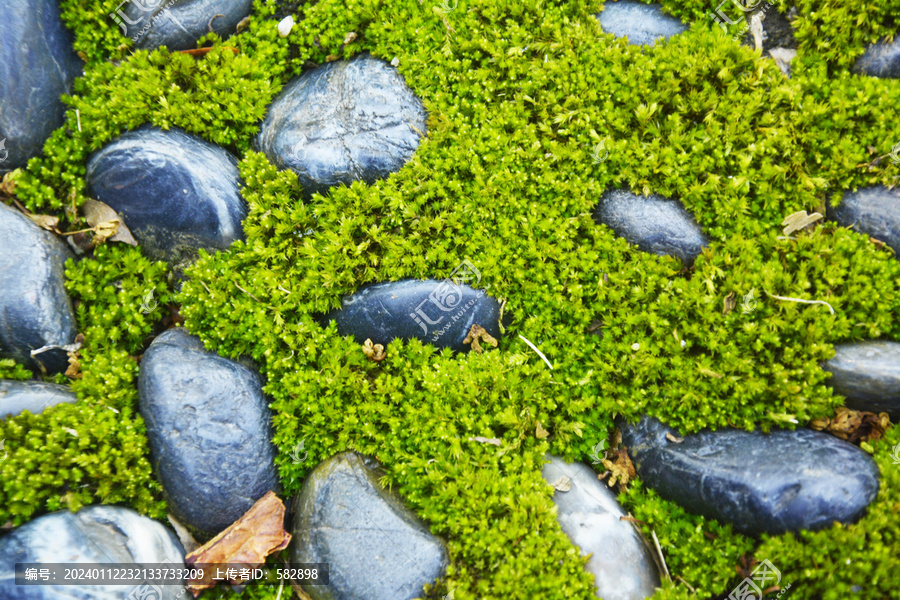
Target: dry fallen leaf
620 471
799 220
478 332
729 303
46 222
673 439
484 440
350 37
106 223
855 426
539 432
247 542
709 372
373 351
563 484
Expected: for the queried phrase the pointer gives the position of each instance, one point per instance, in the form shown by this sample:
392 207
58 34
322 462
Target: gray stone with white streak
868 375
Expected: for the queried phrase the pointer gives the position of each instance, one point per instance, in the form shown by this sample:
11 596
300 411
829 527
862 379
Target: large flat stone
376 548
874 211
176 192
641 23
868 375
96 534
760 483
653 223
208 425
179 24
35 311
37 66
621 562
437 312
345 121
33 396
880 60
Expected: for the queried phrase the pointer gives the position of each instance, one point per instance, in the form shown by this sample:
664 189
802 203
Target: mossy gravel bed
518 93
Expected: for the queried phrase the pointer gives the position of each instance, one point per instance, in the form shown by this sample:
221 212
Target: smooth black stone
210 434
376 548
653 223
96 534
880 60
179 24
342 122
868 375
34 309
37 66
176 192
641 23
760 483
33 396
437 312
622 563
874 211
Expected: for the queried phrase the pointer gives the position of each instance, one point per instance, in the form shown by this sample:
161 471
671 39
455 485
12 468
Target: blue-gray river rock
35 311
641 23
622 563
437 312
345 121
37 66
653 223
176 192
868 375
376 548
874 211
209 429
33 396
880 60
760 483
179 24
95 534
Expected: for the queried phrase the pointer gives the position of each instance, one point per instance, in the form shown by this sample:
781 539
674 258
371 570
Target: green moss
519 94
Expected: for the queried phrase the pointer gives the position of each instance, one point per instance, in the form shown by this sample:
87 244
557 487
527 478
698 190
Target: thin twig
248 293
681 579
801 300
281 587
78 118
661 557
533 347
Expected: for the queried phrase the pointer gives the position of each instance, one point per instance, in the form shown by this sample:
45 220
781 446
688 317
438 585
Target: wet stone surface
376 548
342 122
96 534
35 311
880 60
654 224
621 560
208 425
179 24
868 375
33 396
437 312
760 483
176 192
874 211
37 66
643 24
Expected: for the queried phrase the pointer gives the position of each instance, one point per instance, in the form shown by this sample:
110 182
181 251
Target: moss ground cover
519 95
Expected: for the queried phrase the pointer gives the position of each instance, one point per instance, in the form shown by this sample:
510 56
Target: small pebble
285 26
395 62
635 346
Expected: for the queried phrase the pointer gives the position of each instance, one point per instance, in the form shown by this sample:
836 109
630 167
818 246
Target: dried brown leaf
673 439
855 426
563 484
476 333
729 303
799 220
539 432
47 222
350 37
248 541
620 471
106 223
373 351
